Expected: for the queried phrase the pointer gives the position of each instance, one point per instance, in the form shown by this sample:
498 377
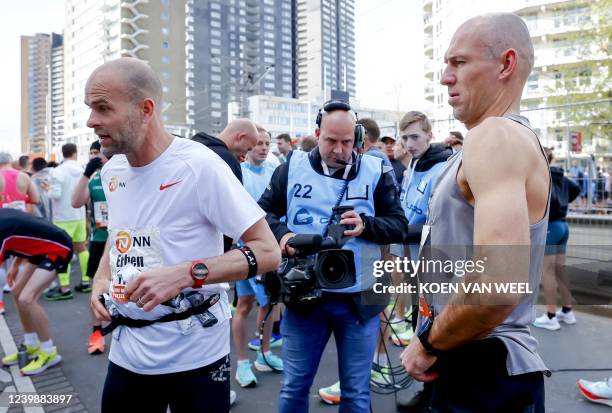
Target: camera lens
333 267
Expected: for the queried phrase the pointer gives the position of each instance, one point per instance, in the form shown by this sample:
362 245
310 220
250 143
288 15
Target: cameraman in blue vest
304 192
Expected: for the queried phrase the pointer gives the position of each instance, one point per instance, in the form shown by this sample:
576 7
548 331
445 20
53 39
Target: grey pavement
584 345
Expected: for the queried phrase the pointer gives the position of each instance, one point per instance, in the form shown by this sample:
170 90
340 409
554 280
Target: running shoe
57 295
7 288
548 323
96 343
403 339
232 397
2 311
41 362
398 326
83 287
330 395
597 391
50 287
11 359
567 318
270 363
381 376
275 341
244 374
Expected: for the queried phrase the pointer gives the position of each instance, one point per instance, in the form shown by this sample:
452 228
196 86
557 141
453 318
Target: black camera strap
342 192
337 204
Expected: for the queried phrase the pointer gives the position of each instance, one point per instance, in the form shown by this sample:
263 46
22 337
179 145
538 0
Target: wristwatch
199 273
423 336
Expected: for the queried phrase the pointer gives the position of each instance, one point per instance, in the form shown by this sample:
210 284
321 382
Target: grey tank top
451 223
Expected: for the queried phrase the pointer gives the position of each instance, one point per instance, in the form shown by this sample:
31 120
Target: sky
389 55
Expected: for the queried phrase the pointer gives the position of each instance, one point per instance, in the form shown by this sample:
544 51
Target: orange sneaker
96 343
1 307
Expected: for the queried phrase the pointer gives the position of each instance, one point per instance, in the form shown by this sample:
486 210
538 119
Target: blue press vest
311 197
415 198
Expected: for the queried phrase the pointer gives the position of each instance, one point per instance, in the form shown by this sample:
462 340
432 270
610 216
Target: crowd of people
161 225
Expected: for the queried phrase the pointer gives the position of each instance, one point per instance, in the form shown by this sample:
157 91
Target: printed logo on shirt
114 184
162 187
302 217
124 242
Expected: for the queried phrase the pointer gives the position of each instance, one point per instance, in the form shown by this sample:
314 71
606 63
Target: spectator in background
41 179
72 220
308 143
23 164
563 192
371 143
454 140
389 150
577 175
600 188
52 164
283 143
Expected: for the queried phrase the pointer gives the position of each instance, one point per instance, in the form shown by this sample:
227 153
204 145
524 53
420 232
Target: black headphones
332 105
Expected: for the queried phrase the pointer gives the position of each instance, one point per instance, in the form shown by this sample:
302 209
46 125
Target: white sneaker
548 323
232 397
597 391
567 318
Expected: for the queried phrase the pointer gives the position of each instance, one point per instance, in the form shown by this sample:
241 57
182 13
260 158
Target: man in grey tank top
490 206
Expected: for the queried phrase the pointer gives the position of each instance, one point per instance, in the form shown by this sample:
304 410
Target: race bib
18 205
101 214
132 252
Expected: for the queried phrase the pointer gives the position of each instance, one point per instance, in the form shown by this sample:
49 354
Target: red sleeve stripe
32 246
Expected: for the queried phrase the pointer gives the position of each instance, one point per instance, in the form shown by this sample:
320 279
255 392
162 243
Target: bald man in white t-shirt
170 200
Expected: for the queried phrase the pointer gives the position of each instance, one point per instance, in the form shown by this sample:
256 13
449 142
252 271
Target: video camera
319 263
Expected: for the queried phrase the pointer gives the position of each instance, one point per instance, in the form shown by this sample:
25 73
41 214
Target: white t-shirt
173 210
64 179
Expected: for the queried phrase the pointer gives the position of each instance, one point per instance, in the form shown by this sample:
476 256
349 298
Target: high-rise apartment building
572 67
236 49
325 31
284 48
35 61
99 31
56 95
570 64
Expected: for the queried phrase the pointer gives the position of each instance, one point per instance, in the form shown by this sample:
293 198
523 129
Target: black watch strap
423 336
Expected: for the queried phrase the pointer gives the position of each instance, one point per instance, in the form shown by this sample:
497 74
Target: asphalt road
584 345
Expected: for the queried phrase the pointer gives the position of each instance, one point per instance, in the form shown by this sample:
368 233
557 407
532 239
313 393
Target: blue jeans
304 339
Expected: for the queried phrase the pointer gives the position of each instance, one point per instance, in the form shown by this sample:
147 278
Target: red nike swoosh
162 187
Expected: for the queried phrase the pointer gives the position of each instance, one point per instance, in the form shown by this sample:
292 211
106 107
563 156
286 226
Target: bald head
240 136
136 79
240 126
500 32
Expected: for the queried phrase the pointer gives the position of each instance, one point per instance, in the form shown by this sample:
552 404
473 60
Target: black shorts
201 390
474 378
49 265
40 242
96 250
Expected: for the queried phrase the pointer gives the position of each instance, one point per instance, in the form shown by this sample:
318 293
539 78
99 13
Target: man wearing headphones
304 190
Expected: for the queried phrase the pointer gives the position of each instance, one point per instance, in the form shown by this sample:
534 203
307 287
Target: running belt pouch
481 358
134 323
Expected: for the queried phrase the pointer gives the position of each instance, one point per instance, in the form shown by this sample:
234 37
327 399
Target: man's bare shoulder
499 137
498 145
